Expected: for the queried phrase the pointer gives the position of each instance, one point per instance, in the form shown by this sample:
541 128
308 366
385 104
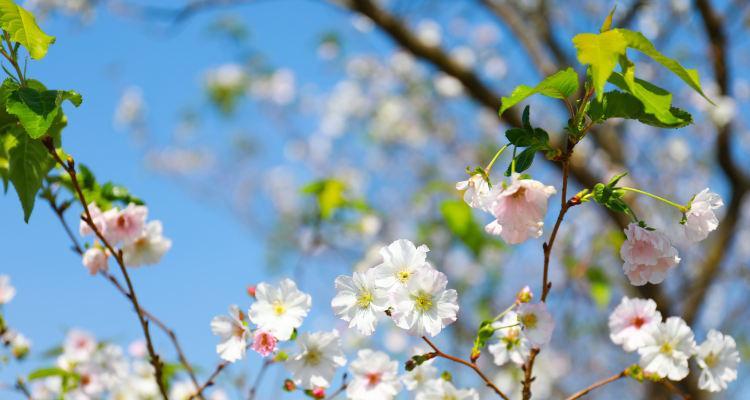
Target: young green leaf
616 104
601 52
22 27
656 101
38 109
637 41
29 164
560 85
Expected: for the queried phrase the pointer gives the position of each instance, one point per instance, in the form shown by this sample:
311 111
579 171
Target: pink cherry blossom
125 225
95 259
519 209
99 221
476 190
629 321
264 343
648 255
701 219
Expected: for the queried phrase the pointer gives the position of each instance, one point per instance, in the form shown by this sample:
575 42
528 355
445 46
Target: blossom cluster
403 286
649 254
518 208
140 241
665 346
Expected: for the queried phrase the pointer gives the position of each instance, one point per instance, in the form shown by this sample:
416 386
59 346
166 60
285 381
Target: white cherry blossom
629 321
718 359
314 364
424 306
233 334
700 218
401 259
359 300
279 309
374 377
667 348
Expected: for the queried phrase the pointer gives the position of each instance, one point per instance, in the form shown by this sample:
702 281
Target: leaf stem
680 207
492 162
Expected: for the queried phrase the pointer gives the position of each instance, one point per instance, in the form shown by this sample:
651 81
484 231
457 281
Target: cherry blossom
99 219
476 191
279 309
700 218
233 334
537 323
440 389
518 209
718 359
666 349
264 343
125 225
148 248
648 255
512 345
629 321
424 306
374 377
359 300
7 291
314 364
401 259
95 259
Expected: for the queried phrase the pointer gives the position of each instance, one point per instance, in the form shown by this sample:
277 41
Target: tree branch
603 382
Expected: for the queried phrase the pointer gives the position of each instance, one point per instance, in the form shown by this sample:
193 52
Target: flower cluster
665 346
649 254
141 241
518 208
404 286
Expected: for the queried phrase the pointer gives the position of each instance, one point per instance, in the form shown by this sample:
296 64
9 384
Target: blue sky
213 256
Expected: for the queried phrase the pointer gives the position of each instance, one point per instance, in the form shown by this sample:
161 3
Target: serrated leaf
616 104
656 101
601 53
560 85
22 27
637 41
29 164
38 109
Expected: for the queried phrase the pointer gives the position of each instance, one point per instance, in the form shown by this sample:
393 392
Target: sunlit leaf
22 27
559 85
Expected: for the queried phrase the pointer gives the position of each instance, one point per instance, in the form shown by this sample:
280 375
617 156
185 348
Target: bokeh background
219 113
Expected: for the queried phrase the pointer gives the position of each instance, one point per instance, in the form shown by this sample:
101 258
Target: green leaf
637 41
22 27
524 159
38 109
29 164
7 142
461 223
607 24
329 194
47 372
601 52
616 104
560 85
600 288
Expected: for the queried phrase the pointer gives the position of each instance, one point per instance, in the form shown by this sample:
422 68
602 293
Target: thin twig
258 379
596 385
471 365
340 390
69 168
78 249
211 380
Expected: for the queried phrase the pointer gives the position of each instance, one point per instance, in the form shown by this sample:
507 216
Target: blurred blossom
180 161
362 23
465 56
485 35
278 87
447 85
131 108
496 67
724 111
429 32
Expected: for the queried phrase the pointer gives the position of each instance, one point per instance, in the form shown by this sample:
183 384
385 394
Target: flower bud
524 295
319 393
289 385
251 291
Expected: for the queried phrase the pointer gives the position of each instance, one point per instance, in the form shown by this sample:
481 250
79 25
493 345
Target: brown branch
78 249
603 382
471 365
738 181
259 379
507 14
69 168
210 381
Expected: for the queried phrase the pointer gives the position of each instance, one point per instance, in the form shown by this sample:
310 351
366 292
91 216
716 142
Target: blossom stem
259 379
69 168
508 326
653 196
492 162
340 390
473 366
210 380
507 310
603 382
